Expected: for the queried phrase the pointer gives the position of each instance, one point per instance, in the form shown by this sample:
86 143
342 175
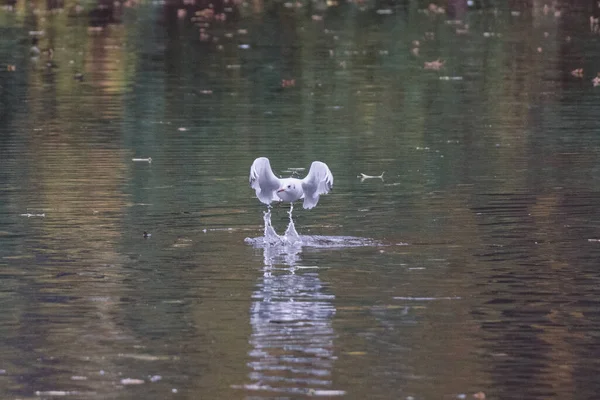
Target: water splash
290 236
290 244
271 237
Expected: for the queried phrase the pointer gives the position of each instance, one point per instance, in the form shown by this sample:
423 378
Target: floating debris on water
29 215
285 83
427 298
146 357
148 160
365 176
435 9
326 392
55 393
155 378
132 381
435 65
451 78
577 73
309 392
182 242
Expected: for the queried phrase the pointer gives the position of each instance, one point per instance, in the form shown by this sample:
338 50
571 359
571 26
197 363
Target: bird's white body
269 188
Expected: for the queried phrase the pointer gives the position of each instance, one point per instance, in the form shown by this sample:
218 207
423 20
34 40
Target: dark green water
484 275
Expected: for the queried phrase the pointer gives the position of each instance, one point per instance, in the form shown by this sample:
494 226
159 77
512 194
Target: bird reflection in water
292 334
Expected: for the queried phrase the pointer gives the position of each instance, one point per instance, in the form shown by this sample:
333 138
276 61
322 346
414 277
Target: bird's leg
290 233
270 233
268 212
267 217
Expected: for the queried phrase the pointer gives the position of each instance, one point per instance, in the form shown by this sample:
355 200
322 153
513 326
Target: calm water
472 268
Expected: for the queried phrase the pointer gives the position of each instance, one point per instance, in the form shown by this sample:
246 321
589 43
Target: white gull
270 188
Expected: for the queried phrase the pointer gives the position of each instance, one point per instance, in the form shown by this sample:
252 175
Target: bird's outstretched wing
318 181
263 180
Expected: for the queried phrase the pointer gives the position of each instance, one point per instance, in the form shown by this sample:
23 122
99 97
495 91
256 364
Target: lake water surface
471 270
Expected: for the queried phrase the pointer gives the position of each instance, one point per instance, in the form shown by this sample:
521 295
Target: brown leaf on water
205 14
435 9
577 72
286 83
576 314
435 65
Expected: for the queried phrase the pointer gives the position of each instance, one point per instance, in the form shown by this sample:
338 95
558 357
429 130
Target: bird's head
287 187
289 190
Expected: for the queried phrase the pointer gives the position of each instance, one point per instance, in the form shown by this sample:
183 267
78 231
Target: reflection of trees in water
292 338
66 324
533 307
